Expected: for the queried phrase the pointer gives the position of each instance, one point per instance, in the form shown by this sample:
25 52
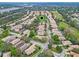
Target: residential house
30 50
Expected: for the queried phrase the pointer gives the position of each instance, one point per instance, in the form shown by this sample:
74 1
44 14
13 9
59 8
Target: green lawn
63 25
57 16
42 18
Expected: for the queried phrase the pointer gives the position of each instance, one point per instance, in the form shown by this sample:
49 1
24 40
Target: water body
20 4
8 9
40 4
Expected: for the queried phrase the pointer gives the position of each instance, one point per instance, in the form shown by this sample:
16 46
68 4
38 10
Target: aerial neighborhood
39 33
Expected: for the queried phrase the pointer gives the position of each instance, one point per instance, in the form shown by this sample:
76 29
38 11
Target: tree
15 52
32 34
59 49
4 27
63 25
55 39
49 45
2 46
4 33
72 39
73 22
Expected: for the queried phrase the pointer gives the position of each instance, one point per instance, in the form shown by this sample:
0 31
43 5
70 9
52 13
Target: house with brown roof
17 28
8 39
30 50
74 54
25 46
19 44
41 29
15 41
66 42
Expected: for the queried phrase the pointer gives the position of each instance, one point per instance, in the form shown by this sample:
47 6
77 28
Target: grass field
42 18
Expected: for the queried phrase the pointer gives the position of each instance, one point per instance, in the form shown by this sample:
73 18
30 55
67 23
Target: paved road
62 54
